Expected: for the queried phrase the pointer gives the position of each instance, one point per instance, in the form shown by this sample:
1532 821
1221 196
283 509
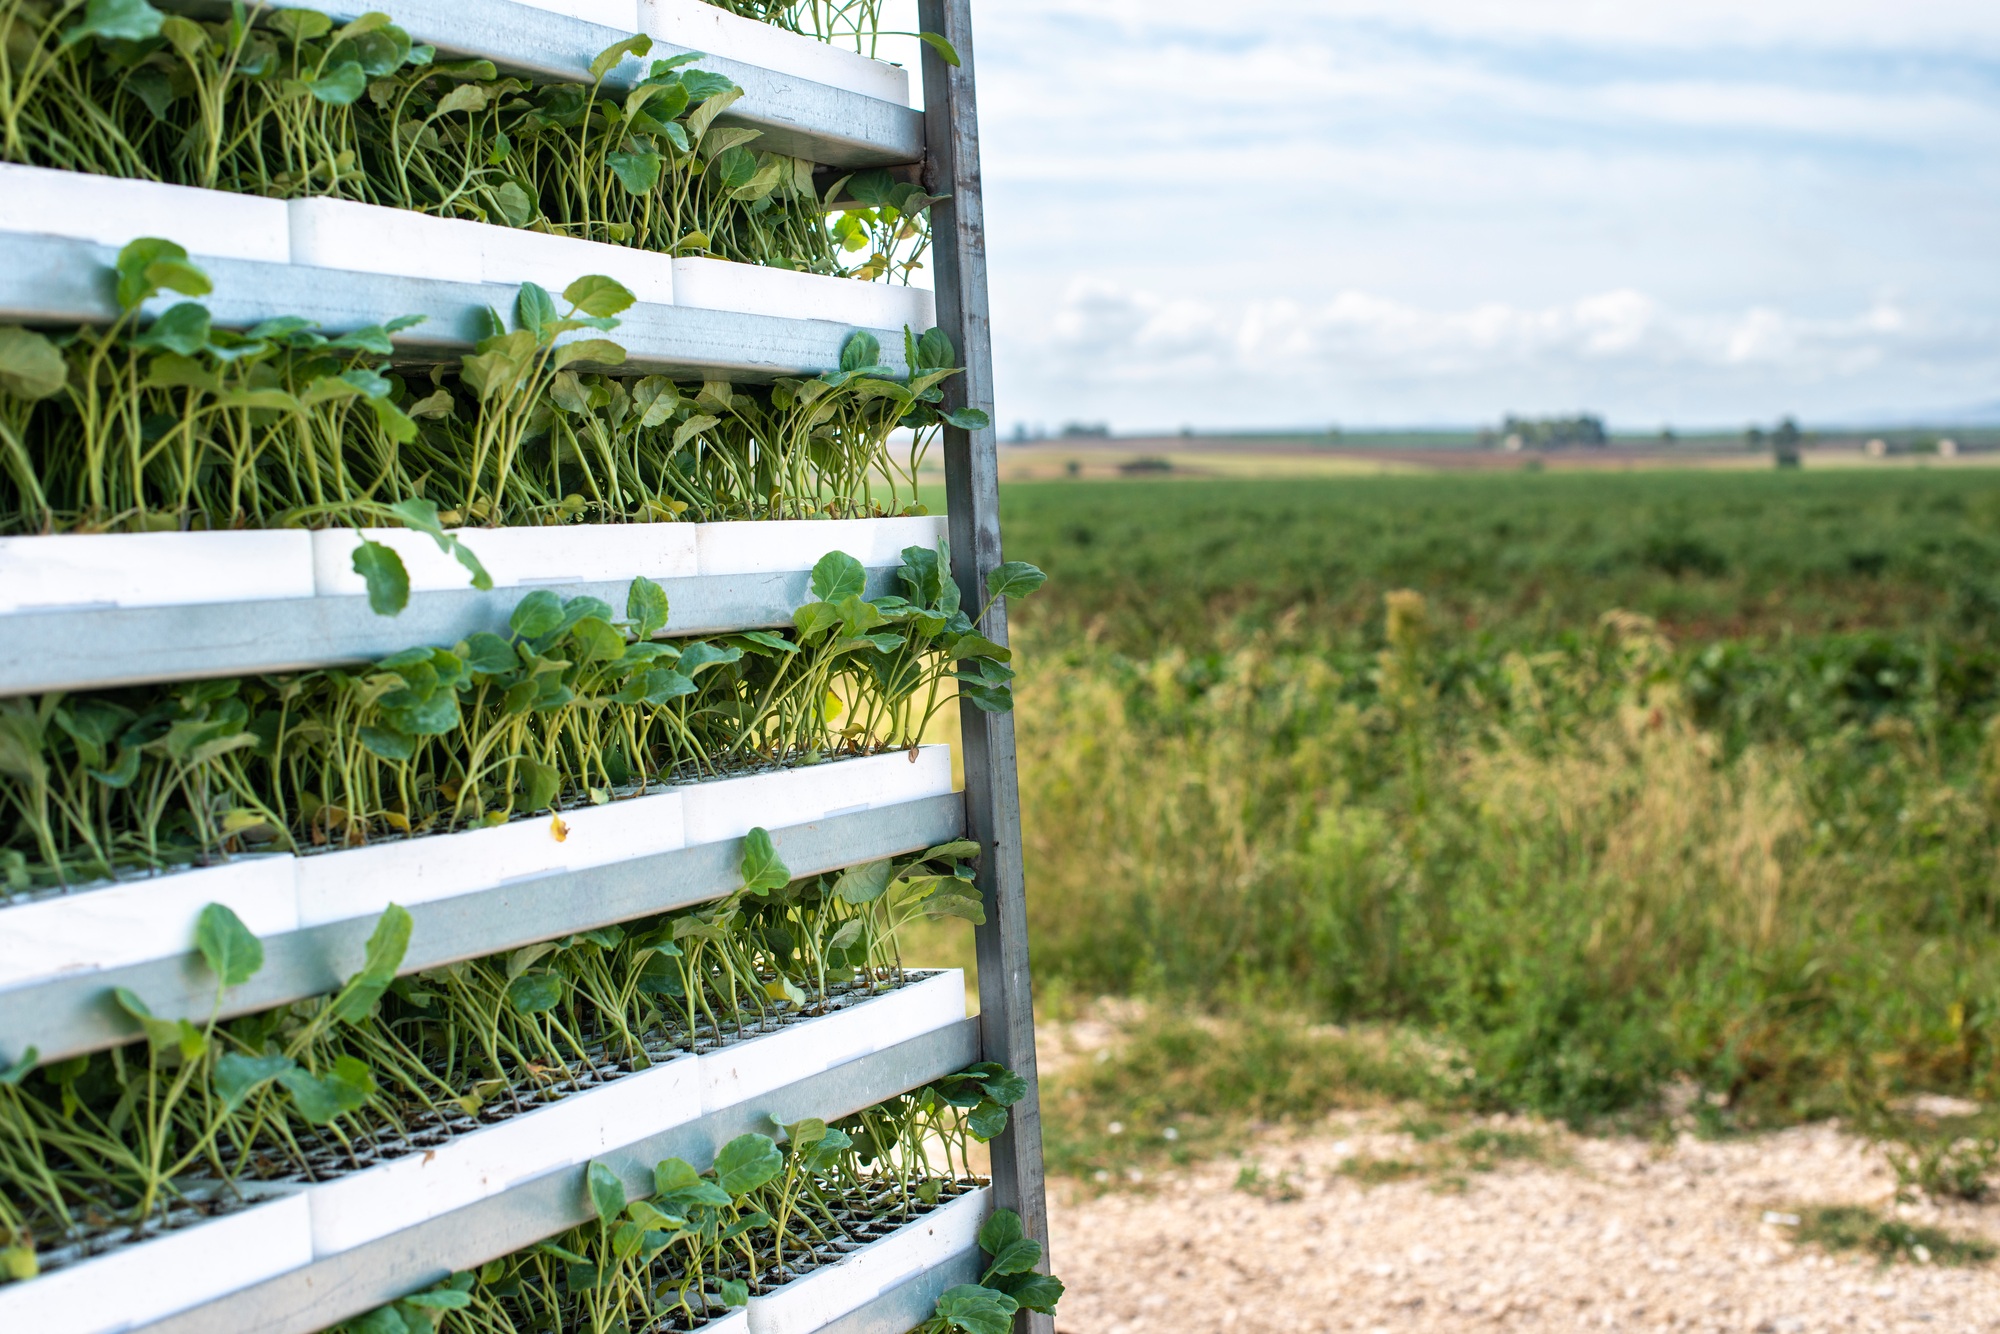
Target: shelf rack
97 647
46 280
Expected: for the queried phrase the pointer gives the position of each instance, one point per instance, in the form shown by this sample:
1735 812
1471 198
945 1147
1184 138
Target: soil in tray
858 1216
323 1157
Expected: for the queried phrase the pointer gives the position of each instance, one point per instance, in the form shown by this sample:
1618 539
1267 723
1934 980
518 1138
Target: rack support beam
972 497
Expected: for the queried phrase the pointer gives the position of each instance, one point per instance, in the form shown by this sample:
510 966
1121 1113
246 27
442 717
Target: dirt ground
1561 1233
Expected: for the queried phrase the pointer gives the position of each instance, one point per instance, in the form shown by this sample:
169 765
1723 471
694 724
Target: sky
1303 213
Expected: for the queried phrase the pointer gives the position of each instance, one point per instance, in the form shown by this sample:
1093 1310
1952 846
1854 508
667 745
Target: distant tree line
1585 429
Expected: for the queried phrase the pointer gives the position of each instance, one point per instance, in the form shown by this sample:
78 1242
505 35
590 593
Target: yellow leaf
557 829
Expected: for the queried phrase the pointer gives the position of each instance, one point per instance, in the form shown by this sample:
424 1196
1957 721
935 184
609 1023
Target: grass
1853 1227
1645 775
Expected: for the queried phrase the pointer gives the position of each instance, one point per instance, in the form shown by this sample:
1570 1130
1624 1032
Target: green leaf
946 51
320 1098
30 365
536 614
1000 1231
972 1309
515 207
864 884
594 294
987 1120
11 1076
951 852
488 654
232 953
536 993
439 1299
1014 579
237 1076
762 869
1017 1257
837 576
162 1035
861 350
612 56
1033 1292
639 173
117 20
734 1292
533 310
597 351
747 1162
382 570
183 328
607 1192
148 263
646 607
386 946
388 743
539 783
340 86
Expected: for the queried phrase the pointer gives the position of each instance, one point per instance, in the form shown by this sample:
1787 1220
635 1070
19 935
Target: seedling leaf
607 1192
838 576
1014 579
382 570
232 953
763 871
946 51
386 946
30 365
747 1162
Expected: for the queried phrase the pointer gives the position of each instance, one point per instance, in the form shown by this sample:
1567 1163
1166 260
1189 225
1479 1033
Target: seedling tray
187 1260
786 1050
890 1254
73 1013
129 922
112 210
755 289
703 27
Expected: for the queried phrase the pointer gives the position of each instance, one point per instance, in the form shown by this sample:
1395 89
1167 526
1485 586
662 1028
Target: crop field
1581 783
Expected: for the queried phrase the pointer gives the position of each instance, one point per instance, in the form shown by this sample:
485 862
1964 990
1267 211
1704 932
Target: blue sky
1271 213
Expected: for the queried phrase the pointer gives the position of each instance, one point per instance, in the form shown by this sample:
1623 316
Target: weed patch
1853 1227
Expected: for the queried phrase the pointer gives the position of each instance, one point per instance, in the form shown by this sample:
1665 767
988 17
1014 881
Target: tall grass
1589 854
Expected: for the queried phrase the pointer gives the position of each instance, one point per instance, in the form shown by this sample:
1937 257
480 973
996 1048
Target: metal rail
60 281
972 502
334 1289
911 1302
97 647
75 1013
799 117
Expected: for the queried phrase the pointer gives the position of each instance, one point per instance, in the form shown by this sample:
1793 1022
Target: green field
1640 776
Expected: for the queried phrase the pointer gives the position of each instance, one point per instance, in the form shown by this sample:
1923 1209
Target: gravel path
1598 1234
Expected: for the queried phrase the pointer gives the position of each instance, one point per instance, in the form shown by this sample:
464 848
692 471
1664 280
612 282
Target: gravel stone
1605 1234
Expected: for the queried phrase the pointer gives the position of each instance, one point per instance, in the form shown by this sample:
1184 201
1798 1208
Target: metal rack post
972 492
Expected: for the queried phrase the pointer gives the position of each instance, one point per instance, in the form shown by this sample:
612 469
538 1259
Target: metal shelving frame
53 281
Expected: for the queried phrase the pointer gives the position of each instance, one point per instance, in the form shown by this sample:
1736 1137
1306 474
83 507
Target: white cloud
1441 209
1107 343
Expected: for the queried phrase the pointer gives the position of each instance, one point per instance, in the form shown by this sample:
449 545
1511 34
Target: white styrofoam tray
75 570
567 553
765 547
132 921
731 807
716 32
756 289
757 1066
351 1210
370 238
151 1280
111 211
620 14
360 882
822 1296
